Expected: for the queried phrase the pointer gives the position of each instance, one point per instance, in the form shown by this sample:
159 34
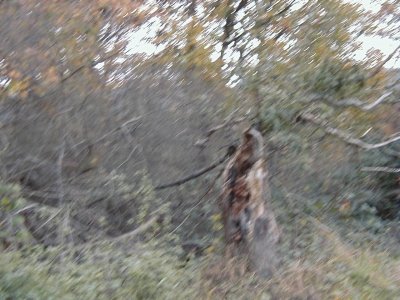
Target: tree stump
250 227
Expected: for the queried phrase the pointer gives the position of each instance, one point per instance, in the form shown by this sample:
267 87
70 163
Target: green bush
144 273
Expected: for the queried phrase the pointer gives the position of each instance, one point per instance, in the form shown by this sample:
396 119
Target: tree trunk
250 227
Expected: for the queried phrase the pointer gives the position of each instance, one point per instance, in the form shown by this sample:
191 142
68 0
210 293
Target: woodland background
90 129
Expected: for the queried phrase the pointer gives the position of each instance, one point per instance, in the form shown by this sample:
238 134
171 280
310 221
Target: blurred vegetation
90 128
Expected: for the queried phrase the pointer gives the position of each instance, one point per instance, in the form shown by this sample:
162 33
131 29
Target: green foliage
386 200
12 229
9 197
146 273
274 119
335 78
317 262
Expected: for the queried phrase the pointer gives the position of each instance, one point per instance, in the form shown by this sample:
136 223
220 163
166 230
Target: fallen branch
345 136
381 169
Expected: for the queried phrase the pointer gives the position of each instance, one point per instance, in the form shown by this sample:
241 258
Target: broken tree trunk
250 227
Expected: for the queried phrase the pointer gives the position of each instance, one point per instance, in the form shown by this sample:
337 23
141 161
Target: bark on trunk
250 227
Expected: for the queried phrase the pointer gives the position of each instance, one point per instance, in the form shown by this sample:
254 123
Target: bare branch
226 123
359 104
381 169
229 121
24 209
393 84
344 135
352 102
196 174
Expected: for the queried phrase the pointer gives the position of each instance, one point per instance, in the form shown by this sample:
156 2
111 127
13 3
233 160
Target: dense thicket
89 128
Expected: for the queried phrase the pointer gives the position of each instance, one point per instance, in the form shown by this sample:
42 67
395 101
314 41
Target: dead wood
250 227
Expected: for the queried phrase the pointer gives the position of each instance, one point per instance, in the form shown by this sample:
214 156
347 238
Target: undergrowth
145 272
316 264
